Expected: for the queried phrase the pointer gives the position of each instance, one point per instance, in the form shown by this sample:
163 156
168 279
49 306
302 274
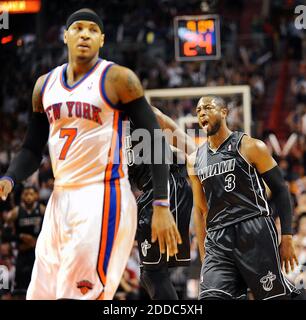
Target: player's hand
164 230
5 188
287 253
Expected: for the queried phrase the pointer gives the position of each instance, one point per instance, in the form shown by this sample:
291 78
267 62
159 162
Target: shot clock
197 38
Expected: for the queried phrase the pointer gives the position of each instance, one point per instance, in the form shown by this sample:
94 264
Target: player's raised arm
257 153
28 159
199 205
123 88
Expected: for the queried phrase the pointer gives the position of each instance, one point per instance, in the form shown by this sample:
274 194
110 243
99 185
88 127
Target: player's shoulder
253 142
252 145
124 82
117 72
37 92
41 80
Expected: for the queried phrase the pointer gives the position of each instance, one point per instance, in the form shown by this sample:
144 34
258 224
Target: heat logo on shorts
84 286
145 246
267 281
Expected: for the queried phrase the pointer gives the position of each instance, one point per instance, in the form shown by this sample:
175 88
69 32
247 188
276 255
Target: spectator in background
175 73
27 220
301 204
301 228
298 84
296 119
298 274
7 261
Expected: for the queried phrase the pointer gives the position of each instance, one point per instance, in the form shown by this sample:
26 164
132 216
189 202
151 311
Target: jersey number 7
70 133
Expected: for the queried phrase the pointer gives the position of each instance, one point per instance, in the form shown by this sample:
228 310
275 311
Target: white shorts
85 242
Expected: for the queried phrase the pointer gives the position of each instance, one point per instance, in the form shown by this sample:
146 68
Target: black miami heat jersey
233 188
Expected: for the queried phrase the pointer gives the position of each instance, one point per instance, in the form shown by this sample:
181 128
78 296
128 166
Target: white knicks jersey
86 134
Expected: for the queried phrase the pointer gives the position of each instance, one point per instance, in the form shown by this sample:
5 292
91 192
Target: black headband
84 15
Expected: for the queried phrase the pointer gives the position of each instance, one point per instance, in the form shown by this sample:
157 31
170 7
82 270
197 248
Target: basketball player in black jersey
232 215
27 219
154 266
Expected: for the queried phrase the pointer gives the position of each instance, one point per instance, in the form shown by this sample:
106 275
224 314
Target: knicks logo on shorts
84 286
267 281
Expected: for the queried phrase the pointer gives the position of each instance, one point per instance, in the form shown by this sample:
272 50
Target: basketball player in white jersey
90 220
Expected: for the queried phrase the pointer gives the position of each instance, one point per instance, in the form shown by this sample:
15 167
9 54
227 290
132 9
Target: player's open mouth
204 124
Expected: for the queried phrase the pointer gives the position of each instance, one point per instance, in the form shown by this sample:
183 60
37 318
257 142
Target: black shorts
244 255
181 203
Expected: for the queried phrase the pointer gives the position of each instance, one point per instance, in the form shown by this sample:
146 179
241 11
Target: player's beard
214 128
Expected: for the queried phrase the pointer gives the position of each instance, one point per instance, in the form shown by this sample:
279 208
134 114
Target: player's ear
102 40
224 112
65 36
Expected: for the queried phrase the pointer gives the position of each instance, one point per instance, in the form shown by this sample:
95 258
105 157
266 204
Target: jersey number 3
230 180
70 133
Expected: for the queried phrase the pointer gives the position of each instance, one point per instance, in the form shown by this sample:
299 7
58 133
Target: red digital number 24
190 46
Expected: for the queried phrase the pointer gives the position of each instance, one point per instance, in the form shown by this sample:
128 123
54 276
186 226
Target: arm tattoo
124 83
114 75
133 84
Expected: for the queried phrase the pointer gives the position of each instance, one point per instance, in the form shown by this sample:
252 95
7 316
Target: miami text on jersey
216 169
